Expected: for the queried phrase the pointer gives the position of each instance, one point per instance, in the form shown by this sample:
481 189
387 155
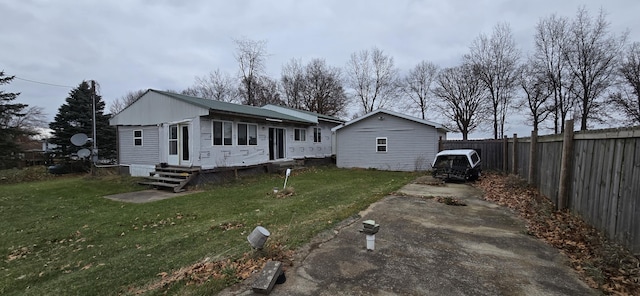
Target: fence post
440 144
533 153
565 165
505 155
514 155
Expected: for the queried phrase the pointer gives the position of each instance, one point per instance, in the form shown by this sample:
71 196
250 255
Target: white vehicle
459 164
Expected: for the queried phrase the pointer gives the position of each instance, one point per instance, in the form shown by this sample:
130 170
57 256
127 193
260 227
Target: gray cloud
131 45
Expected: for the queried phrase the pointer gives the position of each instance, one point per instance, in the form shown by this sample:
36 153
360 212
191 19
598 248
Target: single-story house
180 130
388 140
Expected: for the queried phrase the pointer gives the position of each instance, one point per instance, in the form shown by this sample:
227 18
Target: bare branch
627 97
592 57
552 39
495 61
373 78
417 86
251 56
462 98
215 86
123 102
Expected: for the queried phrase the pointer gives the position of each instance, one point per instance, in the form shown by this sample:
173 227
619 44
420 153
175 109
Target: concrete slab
267 278
145 196
429 248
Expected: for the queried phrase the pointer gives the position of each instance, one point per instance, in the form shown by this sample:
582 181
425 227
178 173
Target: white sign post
286 178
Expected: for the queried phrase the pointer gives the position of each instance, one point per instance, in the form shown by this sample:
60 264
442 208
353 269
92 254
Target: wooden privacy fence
595 174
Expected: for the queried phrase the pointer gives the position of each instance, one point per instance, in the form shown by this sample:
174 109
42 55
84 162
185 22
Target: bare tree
373 78
266 92
293 83
123 102
627 98
532 80
462 98
495 61
31 120
323 91
551 41
592 58
215 86
251 56
417 86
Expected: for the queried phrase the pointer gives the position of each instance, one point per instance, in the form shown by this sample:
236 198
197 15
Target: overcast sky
161 44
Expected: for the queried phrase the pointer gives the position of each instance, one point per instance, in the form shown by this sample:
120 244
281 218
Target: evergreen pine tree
75 116
8 134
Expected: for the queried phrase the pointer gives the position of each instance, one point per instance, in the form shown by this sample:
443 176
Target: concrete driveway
428 248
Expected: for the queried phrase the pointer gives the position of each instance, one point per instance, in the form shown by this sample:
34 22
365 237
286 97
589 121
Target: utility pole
94 150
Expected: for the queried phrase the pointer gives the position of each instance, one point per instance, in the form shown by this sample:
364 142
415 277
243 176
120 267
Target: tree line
578 69
19 123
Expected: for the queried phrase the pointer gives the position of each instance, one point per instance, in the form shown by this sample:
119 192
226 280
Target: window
300 134
222 133
381 144
475 158
137 138
247 134
173 140
317 135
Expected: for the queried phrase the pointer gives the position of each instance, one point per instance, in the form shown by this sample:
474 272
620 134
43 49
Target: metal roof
234 109
320 116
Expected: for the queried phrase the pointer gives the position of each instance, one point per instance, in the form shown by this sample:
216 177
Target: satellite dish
79 139
84 152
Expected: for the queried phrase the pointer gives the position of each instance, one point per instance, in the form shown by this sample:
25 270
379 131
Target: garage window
381 144
137 138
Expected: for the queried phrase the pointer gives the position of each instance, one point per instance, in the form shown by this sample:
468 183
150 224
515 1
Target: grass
60 237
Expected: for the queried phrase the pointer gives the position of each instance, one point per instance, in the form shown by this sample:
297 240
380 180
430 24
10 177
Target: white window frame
300 134
317 135
135 138
247 126
380 145
213 133
138 138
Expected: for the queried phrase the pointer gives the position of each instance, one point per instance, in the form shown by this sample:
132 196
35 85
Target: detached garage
387 140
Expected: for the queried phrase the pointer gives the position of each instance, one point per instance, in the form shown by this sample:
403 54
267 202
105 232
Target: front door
179 150
276 143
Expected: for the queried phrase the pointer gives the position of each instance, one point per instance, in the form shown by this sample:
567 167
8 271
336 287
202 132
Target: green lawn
60 237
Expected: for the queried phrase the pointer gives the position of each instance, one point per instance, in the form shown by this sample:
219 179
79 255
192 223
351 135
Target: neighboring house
163 127
388 140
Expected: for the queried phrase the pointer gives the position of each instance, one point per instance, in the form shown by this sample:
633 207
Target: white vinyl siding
130 153
409 145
